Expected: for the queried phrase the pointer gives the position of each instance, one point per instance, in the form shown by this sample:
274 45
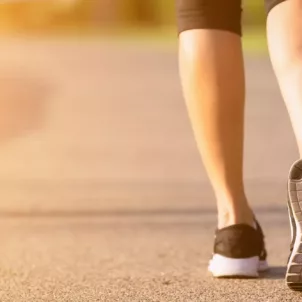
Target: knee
213 14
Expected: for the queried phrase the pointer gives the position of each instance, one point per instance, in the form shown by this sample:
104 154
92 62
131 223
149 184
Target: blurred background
36 14
77 107
103 15
102 190
149 20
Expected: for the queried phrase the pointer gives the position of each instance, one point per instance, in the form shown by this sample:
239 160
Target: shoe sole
294 267
224 267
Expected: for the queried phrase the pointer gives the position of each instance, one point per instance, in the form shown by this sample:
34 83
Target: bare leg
215 102
284 29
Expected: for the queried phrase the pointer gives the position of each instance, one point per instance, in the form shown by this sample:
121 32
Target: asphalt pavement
103 194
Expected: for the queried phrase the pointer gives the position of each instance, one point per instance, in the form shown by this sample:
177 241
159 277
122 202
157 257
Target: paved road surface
103 195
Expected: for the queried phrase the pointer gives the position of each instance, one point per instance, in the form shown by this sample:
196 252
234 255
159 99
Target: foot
294 265
239 251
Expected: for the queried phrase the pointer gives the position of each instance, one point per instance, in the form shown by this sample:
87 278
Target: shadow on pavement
275 273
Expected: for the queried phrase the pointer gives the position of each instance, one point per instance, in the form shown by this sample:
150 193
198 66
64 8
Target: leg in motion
284 29
212 76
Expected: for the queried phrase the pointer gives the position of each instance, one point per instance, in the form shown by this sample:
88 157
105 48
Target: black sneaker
294 265
239 251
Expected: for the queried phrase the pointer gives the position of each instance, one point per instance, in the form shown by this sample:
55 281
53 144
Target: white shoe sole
221 266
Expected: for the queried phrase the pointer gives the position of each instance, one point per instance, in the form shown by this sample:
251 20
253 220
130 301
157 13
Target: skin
215 101
284 32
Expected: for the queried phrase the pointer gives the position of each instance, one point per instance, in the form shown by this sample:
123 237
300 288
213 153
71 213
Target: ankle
235 216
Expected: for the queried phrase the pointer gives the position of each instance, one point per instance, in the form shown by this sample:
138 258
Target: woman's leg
284 28
212 76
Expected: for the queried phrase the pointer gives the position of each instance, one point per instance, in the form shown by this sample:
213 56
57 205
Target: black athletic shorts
213 14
